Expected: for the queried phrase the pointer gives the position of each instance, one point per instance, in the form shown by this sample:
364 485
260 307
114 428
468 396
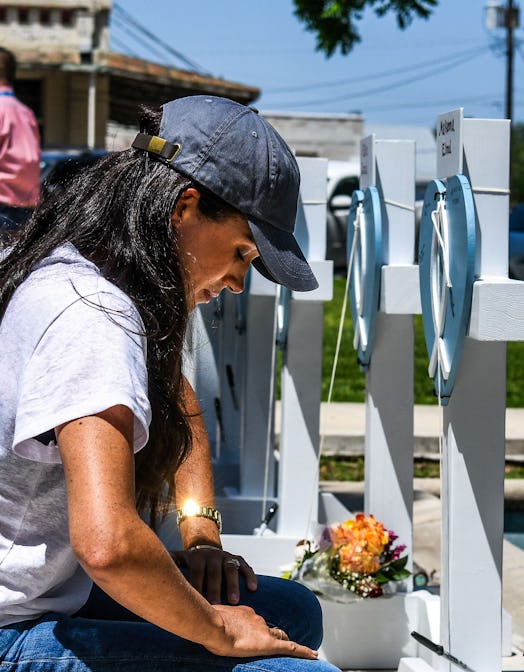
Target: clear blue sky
392 76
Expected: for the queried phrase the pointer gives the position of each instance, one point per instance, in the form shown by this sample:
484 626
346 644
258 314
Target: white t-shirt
71 344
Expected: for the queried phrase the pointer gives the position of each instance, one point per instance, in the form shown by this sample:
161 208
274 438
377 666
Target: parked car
343 178
516 242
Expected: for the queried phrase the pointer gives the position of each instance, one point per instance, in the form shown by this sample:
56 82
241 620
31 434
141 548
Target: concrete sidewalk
343 426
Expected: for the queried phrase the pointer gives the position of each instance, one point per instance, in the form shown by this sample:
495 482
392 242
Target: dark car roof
60 165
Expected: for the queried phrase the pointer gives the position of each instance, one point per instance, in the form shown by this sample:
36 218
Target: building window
45 17
23 15
67 17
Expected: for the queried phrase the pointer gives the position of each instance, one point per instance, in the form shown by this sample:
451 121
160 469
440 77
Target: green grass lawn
350 381
352 469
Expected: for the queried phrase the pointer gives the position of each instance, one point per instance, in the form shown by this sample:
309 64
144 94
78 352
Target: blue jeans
104 637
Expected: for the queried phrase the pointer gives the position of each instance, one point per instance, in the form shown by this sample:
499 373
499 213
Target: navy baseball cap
231 150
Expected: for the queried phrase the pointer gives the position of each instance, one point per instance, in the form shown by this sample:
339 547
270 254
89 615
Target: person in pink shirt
19 151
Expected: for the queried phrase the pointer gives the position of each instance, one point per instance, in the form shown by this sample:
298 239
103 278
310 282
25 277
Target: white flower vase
314 574
370 633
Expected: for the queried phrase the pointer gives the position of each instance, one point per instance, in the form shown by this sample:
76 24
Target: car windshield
346 185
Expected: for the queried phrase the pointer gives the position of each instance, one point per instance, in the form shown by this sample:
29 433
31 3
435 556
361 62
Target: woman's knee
290 606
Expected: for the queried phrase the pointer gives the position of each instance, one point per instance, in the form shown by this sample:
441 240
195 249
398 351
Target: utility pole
505 16
511 21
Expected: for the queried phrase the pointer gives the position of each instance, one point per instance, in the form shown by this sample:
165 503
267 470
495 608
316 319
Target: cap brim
281 259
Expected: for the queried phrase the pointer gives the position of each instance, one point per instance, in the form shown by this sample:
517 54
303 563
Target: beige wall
55 108
55 25
329 136
64 107
77 102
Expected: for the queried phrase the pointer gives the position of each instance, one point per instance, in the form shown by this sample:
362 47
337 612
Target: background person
95 298
19 151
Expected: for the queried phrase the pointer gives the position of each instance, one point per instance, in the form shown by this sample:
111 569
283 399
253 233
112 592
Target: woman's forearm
137 571
115 547
194 479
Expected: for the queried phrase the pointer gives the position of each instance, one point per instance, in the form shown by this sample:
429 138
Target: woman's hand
208 567
247 634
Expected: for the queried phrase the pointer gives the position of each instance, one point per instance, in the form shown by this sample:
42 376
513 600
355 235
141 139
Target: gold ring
233 561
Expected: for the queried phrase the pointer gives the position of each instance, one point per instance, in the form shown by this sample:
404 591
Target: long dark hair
117 213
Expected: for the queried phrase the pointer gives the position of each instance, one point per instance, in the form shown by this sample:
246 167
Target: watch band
200 512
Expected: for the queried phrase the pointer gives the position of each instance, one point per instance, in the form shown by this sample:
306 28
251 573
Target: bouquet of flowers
352 560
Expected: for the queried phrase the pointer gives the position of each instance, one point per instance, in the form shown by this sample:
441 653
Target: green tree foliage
517 163
334 21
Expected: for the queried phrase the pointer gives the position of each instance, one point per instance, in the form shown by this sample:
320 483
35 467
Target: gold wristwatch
193 510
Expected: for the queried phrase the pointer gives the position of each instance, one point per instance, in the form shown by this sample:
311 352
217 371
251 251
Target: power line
127 18
459 100
156 41
123 46
378 75
382 89
138 38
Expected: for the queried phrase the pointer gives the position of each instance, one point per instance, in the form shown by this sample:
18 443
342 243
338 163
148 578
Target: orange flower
359 543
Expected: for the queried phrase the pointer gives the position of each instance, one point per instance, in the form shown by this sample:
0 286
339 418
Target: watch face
193 510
